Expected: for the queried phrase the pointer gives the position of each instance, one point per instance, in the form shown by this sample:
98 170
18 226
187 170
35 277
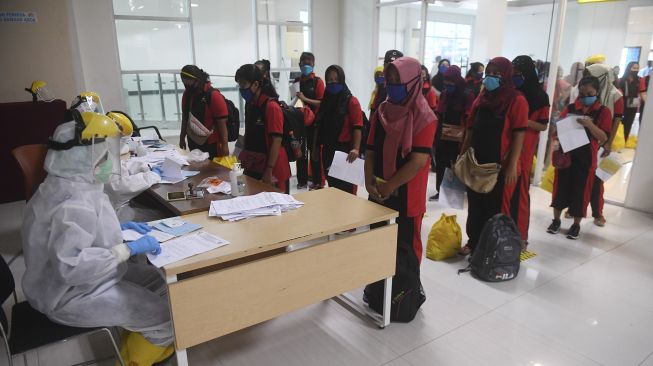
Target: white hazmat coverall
134 179
77 272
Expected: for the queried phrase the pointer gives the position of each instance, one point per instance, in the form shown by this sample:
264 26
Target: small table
261 274
207 169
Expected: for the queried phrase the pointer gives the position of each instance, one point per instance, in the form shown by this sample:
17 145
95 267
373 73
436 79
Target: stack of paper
131 235
184 247
262 204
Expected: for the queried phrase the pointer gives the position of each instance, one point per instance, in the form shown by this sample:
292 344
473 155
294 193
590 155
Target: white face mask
103 171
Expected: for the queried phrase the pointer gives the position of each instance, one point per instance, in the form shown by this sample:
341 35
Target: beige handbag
480 178
196 131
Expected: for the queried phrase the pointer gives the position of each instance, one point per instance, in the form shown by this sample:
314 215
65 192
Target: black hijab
438 79
630 86
473 70
532 89
333 109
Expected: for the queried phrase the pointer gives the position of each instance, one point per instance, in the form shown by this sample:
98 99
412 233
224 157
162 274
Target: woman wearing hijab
631 86
611 98
474 78
399 150
438 79
496 127
576 73
427 90
572 185
526 81
338 125
378 94
454 104
263 156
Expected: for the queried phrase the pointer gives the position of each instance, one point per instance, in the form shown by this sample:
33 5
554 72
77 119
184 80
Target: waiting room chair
31 158
30 329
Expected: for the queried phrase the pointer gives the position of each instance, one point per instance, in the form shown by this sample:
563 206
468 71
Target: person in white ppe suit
77 268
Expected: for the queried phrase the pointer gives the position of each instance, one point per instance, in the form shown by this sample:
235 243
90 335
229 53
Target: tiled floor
585 302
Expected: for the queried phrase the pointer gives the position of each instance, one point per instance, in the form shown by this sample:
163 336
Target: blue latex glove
144 245
158 170
139 227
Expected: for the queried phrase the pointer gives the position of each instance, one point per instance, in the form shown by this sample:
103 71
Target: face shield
41 91
87 102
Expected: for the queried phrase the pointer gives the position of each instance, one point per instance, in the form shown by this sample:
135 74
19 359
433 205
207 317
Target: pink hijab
402 122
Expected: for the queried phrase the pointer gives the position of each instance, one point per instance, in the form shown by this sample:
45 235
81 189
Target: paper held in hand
353 173
571 134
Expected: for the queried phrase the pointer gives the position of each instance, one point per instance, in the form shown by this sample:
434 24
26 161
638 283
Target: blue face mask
442 69
588 101
247 94
396 93
380 81
334 88
518 80
491 82
306 69
478 76
450 89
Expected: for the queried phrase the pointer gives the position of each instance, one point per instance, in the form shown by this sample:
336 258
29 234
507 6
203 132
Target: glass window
282 10
146 44
155 8
448 40
283 44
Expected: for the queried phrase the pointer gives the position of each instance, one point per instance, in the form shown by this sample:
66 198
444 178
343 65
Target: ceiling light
194 5
155 29
140 7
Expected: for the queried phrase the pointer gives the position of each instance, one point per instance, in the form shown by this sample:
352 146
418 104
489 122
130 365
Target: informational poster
18 17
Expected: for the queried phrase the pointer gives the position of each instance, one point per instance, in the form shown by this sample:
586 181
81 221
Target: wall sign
18 17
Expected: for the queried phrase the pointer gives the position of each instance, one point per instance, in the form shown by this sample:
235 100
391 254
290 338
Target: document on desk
131 235
185 247
571 134
262 204
353 173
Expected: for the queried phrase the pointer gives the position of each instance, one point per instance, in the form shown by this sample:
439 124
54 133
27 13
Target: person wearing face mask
526 81
438 79
338 126
632 87
263 156
378 91
77 269
311 92
453 107
572 184
204 121
399 149
496 127
611 98
427 90
474 78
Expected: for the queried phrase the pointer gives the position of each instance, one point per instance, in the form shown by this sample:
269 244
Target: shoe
435 197
524 245
314 187
554 228
573 232
302 186
599 221
567 215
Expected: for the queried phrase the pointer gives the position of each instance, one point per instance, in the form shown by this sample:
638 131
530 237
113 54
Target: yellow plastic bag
226 161
445 239
619 142
632 142
547 179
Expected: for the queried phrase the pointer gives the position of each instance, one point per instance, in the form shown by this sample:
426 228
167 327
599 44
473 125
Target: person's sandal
466 250
599 221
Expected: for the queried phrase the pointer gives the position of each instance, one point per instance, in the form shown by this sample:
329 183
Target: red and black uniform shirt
429 94
410 198
312 87
585 156
352 121
264 120
207 112
532 137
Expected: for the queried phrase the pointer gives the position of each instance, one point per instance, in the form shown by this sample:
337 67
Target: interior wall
527 31
41 50
326 35
639 194
643 41
487 40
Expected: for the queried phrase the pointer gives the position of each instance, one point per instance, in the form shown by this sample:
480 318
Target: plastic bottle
234 177
296 146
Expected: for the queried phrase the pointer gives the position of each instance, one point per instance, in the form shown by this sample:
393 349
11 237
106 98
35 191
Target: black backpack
293 130
233 119
497 255
407 291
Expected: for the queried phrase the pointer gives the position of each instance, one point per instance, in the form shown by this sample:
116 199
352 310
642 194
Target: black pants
302 171
573 189
481 208
596 201
629 118
446 153
211 148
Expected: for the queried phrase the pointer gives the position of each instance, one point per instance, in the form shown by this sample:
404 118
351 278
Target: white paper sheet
608 166
171 169
571 134
262 204
353 173
294 88
186 246
131 235
452 198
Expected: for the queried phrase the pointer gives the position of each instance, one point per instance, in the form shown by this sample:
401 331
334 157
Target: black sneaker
573 232
554 228
435 197
302 186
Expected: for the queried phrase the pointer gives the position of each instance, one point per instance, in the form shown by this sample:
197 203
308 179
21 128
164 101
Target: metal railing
159 100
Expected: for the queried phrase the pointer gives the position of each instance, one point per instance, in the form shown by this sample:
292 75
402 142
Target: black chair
137 130
31 329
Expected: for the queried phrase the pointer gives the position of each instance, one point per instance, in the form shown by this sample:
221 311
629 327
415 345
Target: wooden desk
206 169
257 277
